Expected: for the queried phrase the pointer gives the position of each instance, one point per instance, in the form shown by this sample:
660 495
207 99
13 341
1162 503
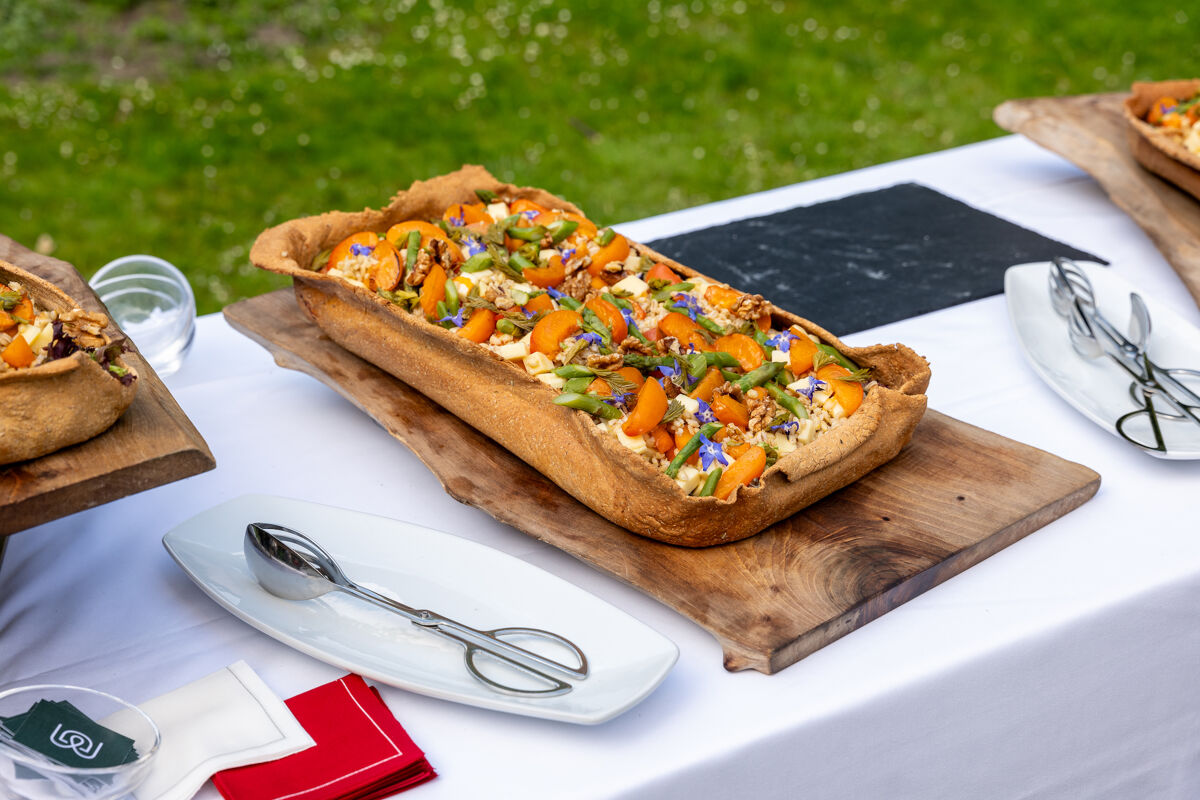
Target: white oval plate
467 581
1099 388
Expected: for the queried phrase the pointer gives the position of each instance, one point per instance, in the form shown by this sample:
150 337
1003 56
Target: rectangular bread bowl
517 411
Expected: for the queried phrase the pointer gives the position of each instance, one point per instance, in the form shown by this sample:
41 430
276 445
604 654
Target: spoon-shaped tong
292 566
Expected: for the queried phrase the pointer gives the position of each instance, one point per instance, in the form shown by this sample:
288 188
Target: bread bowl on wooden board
61 401
515 409
1159 149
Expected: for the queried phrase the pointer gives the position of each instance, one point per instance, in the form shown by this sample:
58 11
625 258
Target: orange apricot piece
388 269
662 272
685 330
748 353
615 251
744 470
542 302
651 405
433 290
479 326
730 411
343 248
610 315
9 320
552 329
462 214
398 236
18 354
552 274
849 394
800 353
704 389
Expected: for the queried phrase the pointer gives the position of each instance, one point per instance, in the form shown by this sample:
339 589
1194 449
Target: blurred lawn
183 130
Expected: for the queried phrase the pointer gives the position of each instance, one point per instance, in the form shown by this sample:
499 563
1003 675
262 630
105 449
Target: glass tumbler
153 304
26 774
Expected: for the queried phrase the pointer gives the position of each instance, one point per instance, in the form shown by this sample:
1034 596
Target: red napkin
361 752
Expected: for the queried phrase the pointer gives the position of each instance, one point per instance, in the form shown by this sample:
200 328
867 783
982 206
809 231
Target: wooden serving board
153 442
953 497
1090 130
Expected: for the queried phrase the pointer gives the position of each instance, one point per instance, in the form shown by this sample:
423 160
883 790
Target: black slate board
867 259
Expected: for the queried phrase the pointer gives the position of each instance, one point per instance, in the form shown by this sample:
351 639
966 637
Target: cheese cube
30 332
632 284
635 443
513 351
551 380
690 405
43 339
544 256
498 211
780 356
537 363
689 478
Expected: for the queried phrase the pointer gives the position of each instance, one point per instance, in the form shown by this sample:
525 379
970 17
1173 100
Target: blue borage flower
690 304
457 319
623 399
473 246
592 338
555 293
528 314
782 341
528 214
813 385
460 220
567 254
668 372
789 427
710 453
361 249
704 413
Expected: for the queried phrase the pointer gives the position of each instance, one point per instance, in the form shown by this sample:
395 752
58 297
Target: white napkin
227 719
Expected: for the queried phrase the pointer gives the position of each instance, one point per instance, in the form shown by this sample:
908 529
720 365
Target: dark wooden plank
153 442
954 496
1091 131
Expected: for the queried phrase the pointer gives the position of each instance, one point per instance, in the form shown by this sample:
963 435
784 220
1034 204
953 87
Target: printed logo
80 743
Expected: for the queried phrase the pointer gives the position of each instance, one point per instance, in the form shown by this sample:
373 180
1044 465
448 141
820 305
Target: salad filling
32 336
686 373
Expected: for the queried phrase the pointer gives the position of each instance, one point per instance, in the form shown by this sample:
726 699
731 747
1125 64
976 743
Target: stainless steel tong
291 565
1093 336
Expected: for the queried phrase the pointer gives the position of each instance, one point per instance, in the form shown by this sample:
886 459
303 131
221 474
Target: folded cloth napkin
227 719
362 752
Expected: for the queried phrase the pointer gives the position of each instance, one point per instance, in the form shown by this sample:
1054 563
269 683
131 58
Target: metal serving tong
1093 336
292 566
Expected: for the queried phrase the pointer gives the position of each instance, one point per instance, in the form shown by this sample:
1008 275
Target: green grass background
183 130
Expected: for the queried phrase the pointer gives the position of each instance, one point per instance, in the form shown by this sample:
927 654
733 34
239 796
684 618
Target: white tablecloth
1064 666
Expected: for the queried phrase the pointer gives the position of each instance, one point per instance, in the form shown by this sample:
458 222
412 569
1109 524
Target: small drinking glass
153 304
26 774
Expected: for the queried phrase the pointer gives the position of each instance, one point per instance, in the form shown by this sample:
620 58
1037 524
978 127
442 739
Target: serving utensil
290 565
1093 336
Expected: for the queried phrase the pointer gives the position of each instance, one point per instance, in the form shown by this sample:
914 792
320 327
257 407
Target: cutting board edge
768 661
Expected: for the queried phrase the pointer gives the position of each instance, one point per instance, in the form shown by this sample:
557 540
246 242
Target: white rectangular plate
1099 388
464 580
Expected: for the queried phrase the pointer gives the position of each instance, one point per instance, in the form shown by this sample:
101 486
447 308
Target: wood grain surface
153 442
954 496
1091 131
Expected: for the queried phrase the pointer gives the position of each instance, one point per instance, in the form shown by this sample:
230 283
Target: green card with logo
64 734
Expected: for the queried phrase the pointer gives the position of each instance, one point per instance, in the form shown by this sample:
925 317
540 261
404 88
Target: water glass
28 775
153 304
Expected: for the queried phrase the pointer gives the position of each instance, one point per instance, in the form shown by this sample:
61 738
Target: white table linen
1064 666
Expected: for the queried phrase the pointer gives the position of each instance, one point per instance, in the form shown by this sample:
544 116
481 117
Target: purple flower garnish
690 304
710 453
668 372
789 427
813 385
782 341
457 319
529 214
361 249
555 293
459 220
528 314
473 246
705 413
623 399
566 254
591 338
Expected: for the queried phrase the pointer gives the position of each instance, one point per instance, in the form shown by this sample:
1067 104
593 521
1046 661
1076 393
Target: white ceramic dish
1099 388
458 578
